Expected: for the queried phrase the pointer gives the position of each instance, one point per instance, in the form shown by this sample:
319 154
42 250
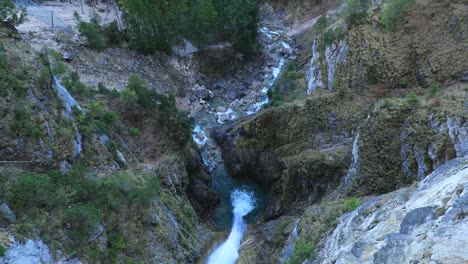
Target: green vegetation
2 250
160 24
281 234
352 204
75 86
393 12
99 36
355 12
178 124
412 99
10 14
321 24
433 90
83 220
81 200
60 68
303 250
11 75
286 87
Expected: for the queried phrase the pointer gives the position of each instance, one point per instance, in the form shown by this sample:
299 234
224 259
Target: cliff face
380 115
424 222
106 180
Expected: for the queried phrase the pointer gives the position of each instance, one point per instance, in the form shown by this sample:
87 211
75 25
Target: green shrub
32 190
10 14
386 103
112 33
60 68
2 250
352 204
44 77
178 123
321 24
303 250
393 12
83 220
91 31
134 132
433 90
412 99
291 75
341 92
355 12
128 97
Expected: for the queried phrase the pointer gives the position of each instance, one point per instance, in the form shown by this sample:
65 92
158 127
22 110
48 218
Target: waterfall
243 202
354 169
69 102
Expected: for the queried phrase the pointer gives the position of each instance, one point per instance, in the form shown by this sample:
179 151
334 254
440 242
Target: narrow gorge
226 131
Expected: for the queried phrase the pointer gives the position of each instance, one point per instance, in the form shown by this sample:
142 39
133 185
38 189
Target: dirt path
40 16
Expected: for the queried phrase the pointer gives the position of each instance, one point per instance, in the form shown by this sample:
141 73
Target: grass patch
303 250
393 13
352 204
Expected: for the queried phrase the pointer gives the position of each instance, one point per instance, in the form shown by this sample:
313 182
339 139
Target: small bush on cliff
393 12
99 36
2 250
286 86
10 14
83 220
90 30
303 250
352 204
412 99
355 12
178 123
32 191
433 90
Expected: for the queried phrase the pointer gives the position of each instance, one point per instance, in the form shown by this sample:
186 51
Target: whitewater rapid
243 202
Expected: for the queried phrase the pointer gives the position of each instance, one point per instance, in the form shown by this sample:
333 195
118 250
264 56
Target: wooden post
52 18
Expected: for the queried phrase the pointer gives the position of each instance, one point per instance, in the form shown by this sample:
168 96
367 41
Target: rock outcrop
425 222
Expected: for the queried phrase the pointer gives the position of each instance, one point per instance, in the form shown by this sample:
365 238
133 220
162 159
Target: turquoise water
225 184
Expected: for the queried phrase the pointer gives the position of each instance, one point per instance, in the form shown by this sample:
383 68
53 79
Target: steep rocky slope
380 116
358 115
425 222
158 191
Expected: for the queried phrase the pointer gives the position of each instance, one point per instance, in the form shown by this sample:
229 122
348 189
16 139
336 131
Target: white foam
243 203
230 114
199 131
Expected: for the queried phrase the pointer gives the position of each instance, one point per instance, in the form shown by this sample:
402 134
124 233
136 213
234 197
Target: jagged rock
464 77
7 214
408 225
416 217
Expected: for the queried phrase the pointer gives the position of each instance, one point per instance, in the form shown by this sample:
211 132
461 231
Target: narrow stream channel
241 201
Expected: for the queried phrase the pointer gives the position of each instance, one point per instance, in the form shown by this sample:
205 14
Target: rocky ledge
423 223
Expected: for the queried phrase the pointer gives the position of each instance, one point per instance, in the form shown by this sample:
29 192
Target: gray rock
221 109
421 77
184 50
358 249
154 216
416 217
7 214
464 77
392 252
